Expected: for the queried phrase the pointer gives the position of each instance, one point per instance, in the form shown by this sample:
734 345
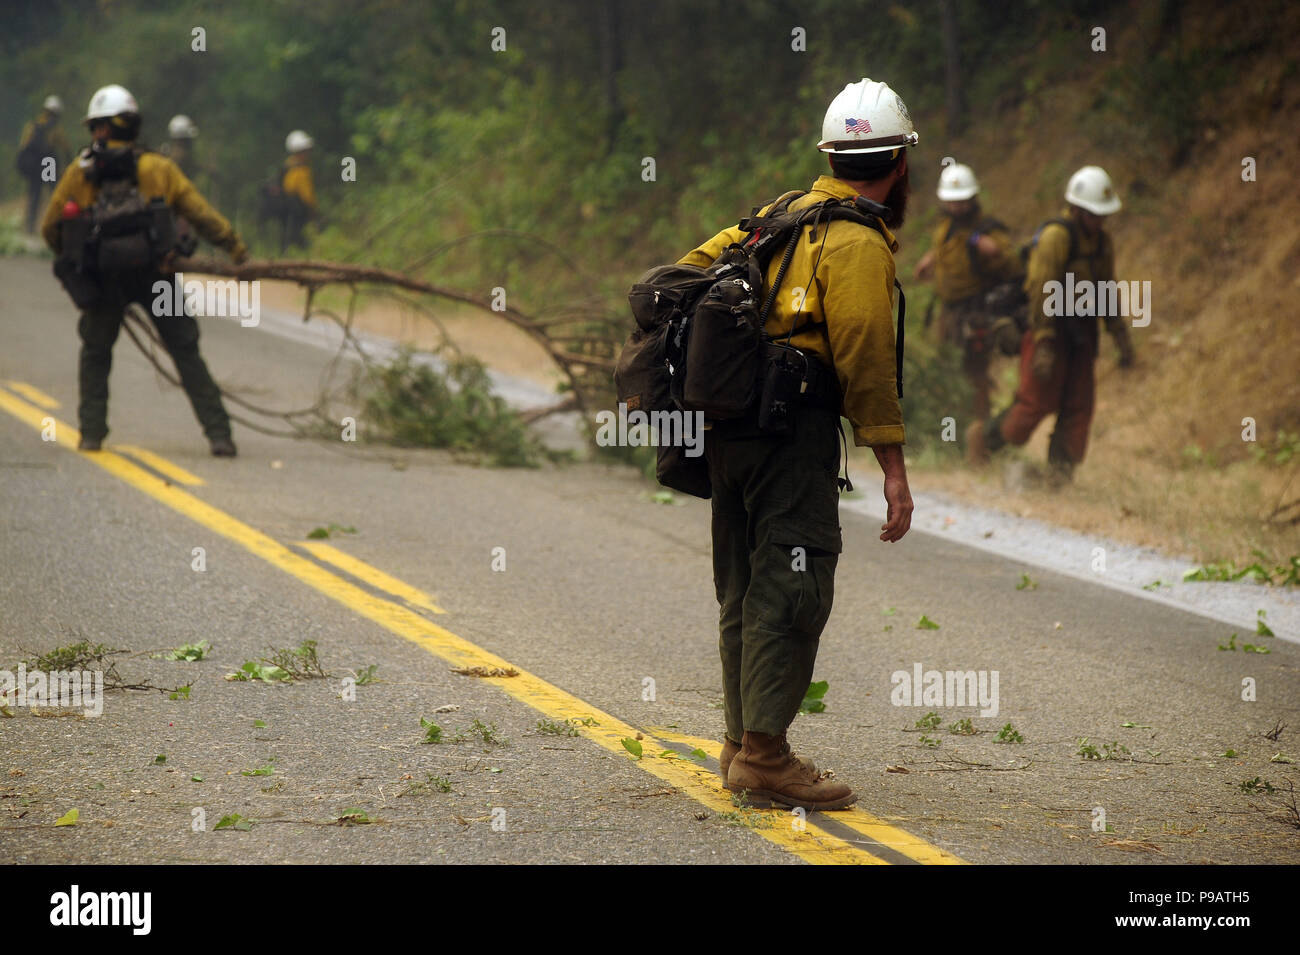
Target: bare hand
898 516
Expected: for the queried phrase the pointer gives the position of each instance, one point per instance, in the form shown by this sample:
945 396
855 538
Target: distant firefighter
1068 254
299 191
179 148
42 152
111 226
970 255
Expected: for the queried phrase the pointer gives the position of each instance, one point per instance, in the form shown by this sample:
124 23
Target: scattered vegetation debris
930 721
925 623
812 698
324 533
432 731
188 652
552 728
485 671
410 403
365 674
487 732
1264 570
430 783
1256 786
354 817
83 655
1027 583
963 727
632 746
1111 750
234 821
69 818
252 670
284 665
1008 734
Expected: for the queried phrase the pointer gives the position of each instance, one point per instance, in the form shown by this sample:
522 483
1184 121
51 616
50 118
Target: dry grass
1167 466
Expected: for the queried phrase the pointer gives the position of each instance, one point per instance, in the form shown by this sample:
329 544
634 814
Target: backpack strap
830 210
1069 227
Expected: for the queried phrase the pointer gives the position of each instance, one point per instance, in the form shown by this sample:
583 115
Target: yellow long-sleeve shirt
56 144
297 181
158 177
955 277
1049 260
845 280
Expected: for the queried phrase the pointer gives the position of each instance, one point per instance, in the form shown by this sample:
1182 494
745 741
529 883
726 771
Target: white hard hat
1090 188
957 182
53 104
866 117
297 141
110 101
181 126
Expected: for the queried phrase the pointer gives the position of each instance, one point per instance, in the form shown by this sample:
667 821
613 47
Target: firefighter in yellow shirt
297 188
110 183
1059 351
42 140
970 254
776 530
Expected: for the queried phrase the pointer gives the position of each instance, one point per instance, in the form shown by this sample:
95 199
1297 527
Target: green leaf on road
432 731
234 821
1026 583
69 818
196 778
633 747
925 623
812 698
1261 628
266 770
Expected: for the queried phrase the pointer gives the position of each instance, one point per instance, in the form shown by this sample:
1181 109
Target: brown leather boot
729 751
767 769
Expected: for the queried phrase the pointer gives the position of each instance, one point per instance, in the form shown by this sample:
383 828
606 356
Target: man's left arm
857 284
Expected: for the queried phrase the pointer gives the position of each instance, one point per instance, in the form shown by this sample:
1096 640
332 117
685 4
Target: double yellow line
848 837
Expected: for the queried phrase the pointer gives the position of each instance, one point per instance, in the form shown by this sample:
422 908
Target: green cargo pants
776 542
99 327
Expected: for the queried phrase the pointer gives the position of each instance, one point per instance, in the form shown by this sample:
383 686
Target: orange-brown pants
1069 393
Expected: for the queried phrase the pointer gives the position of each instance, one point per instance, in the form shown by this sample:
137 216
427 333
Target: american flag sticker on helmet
857 126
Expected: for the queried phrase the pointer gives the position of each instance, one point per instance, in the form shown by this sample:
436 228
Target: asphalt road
601 589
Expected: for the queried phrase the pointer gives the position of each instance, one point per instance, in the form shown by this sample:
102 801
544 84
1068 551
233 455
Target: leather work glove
238 251
1043 359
